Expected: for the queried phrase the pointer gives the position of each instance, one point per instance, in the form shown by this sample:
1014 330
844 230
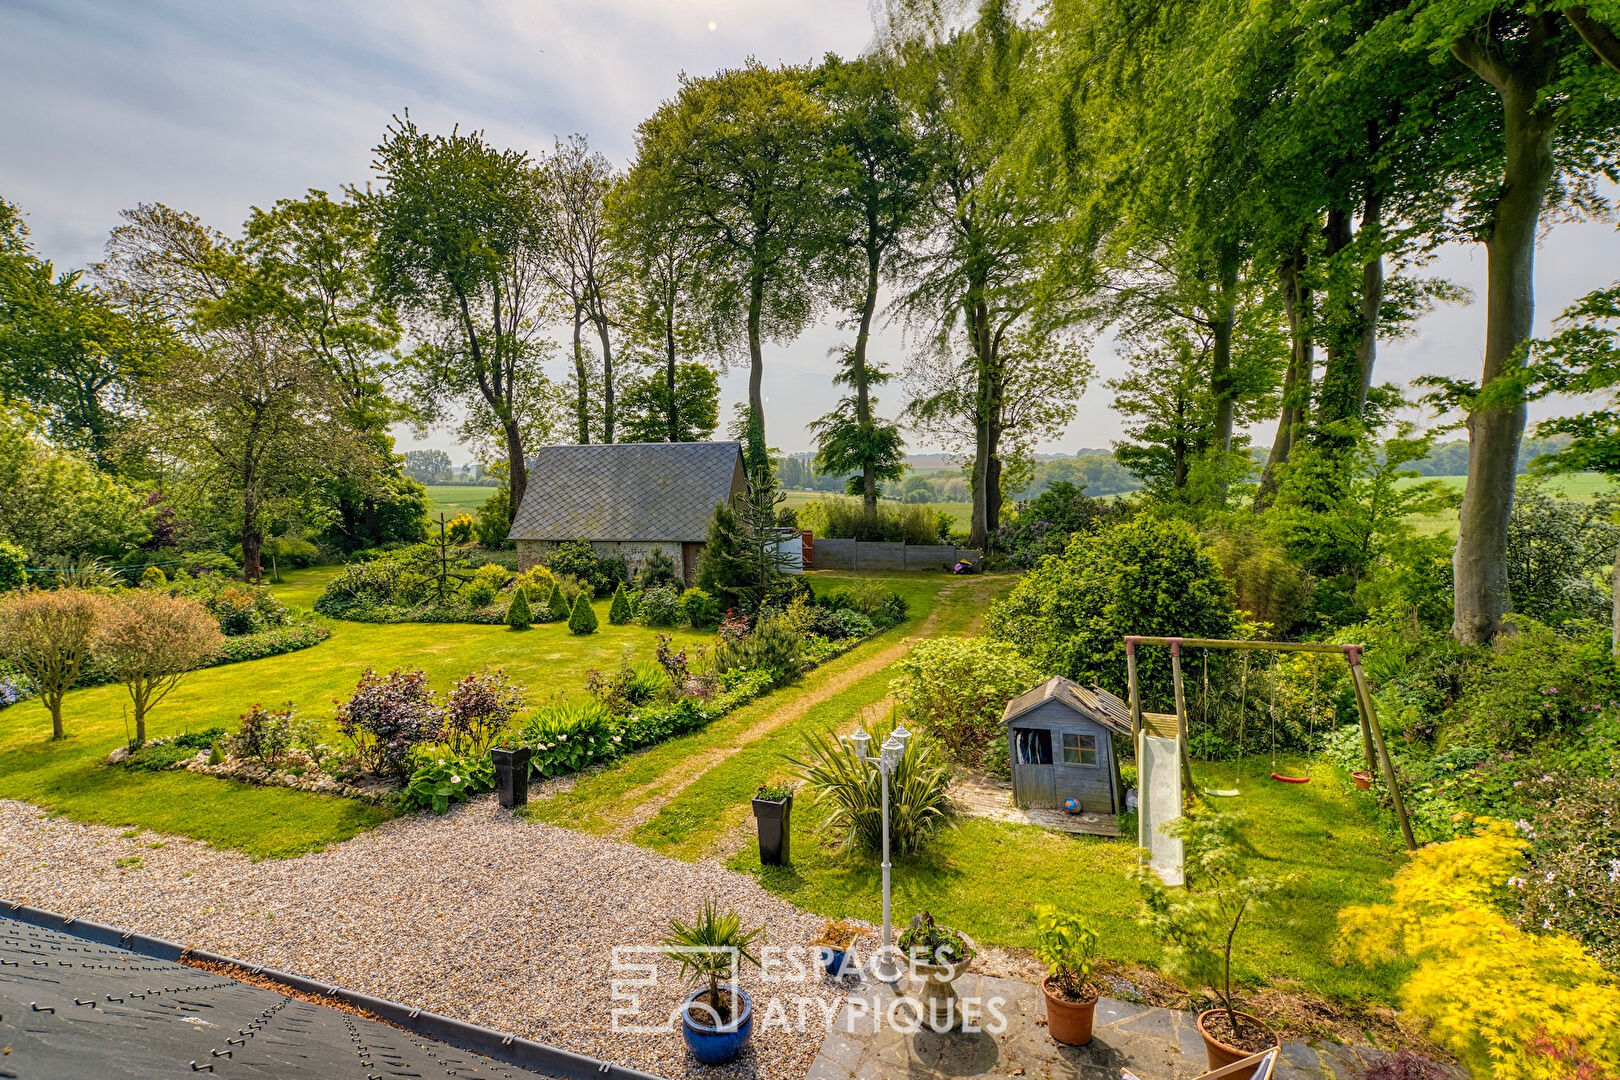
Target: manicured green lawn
67 777
453 499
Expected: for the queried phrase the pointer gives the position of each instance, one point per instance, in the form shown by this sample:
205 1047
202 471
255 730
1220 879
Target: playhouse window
1034 746
1079 749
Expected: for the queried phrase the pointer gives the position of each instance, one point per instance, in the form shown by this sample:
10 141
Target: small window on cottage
1079 749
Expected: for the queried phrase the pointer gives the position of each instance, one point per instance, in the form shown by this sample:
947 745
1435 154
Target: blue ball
1071 805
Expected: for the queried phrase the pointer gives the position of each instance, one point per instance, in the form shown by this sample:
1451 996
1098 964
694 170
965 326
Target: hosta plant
442 780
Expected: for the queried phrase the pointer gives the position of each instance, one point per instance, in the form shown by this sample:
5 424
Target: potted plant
1068 947
834 945
773 812
717 1018
1199 925
938 955
1363 779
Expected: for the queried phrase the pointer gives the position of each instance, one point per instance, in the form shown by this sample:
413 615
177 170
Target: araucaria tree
735 153
151 640
461 246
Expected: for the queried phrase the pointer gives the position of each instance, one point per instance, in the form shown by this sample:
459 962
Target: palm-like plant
707 947
850 792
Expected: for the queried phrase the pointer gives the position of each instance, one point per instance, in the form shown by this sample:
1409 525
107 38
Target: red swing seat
1290 779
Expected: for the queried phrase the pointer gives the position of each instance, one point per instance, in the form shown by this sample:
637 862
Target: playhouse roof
658 492
1093 702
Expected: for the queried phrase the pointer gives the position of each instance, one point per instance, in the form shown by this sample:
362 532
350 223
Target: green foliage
955 690
14 565
772 646
1535 683
1067 945
517 612
1572 882
658 569
1070 614
708 947
876 601
495 519
1043 525
645 406
558 606
723 569
582 620
567 737
1557 549
848 792
699 610
441 780
619 611
659 606
59 505
911 523
576 558
928 942
153 577
266 734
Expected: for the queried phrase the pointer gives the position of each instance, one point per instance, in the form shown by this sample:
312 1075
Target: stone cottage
627 499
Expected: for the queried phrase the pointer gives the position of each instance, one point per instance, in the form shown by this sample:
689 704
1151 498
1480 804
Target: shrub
518 616
619 611
1043 525
660 606
153 577
658 569
699 610
388 717
494 518
848 792
881 604
558 606
770 646
632 686
1532 684
492 573
47 635
479 594
956 689
841 518
575 558
612 571
536 581
477 709
1070 614
438 781
14 566
582 620
565 738
460 528
841 623
150 641
1572 882
1509 1004
266 734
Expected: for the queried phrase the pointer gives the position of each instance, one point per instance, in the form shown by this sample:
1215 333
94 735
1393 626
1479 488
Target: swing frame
1374 752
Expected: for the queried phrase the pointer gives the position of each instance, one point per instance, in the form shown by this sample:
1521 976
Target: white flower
1614 869
454 779
1522 825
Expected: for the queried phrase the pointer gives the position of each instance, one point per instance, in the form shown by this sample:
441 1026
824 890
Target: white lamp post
887 760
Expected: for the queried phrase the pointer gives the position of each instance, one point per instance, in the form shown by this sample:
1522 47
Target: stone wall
634 552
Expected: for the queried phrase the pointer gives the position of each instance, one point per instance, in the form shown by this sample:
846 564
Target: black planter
774 819
511 775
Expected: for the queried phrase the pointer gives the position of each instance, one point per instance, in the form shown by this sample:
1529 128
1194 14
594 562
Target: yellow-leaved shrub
1512 1005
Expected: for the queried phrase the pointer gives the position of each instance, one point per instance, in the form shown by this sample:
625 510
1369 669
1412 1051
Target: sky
215 107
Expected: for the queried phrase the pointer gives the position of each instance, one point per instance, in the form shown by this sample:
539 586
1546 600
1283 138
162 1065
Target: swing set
1373 749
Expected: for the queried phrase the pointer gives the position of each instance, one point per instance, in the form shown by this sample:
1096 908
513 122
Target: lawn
66 777
453 499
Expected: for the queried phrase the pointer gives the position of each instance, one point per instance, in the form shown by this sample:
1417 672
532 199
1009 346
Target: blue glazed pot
832 960
711 1045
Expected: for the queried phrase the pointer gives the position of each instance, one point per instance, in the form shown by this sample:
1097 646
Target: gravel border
476 915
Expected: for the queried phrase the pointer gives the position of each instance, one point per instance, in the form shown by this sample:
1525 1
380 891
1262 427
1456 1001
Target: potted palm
1068 947
773 813
938 955
1200 925
717 1018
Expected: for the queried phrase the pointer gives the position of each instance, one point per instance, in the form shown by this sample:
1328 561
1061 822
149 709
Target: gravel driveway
476 915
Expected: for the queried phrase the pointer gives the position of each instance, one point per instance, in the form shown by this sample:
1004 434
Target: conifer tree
557 605
619 612
518 616
583 620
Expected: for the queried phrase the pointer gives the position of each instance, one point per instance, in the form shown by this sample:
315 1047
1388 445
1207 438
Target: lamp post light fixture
887 760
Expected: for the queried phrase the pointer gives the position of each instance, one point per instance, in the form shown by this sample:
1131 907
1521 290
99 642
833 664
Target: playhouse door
1033 780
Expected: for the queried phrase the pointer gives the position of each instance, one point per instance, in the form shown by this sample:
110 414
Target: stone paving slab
871 1040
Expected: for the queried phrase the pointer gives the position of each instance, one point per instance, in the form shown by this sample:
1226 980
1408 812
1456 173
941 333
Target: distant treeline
1096 472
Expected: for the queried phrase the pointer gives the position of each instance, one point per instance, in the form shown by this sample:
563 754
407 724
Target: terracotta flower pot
1218 1053
1068 1022
1362 778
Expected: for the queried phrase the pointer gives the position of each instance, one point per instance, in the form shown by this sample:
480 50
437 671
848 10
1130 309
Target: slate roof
1094 702
656 492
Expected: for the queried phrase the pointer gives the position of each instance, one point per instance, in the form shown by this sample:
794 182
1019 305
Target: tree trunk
756 363
1340 379
1296 389
673 430
1495 431
517 470
252 537
582 383
1372 296
863 392
54 703
607 378
1221 385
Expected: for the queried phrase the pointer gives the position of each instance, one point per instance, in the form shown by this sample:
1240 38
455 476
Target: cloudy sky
215 107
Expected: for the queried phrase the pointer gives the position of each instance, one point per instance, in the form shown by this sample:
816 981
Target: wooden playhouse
1060 744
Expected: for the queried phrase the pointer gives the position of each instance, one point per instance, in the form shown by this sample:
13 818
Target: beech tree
461 246
46 635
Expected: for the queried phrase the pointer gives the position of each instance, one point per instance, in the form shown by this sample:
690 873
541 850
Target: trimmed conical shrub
557 605
583 620
518 616
619 613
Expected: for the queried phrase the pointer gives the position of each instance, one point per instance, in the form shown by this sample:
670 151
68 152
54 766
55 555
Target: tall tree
461 245
1557 131
581 264
872 186
652 414
735 153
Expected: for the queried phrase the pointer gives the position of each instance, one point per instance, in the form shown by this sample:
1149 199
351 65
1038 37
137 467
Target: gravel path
475 915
